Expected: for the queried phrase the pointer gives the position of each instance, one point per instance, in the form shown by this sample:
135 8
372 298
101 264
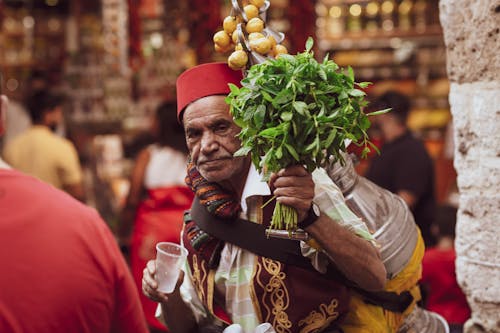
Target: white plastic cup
169 259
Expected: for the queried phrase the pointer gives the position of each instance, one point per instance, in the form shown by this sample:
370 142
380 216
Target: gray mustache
205 160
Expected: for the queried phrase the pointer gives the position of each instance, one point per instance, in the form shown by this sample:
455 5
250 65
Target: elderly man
229 279
62 270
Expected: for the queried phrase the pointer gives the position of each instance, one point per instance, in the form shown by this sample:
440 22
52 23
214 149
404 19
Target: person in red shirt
62 270
443 294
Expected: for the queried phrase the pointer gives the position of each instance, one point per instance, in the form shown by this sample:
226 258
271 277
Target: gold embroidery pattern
253 294
199 277
210 290
317 321
277 294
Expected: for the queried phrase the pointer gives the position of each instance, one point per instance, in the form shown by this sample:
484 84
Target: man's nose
209 143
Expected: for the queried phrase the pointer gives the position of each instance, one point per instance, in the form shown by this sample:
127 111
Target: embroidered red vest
291 298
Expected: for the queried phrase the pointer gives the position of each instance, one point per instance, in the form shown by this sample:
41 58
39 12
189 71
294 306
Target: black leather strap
249 236
252 237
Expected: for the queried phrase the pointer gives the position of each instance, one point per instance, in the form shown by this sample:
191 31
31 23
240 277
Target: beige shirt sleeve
69 168
7 153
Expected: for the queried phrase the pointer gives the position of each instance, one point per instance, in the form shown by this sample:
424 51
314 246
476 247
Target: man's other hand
150 286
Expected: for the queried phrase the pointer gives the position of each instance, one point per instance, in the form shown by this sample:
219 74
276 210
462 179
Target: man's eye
221 128
192 135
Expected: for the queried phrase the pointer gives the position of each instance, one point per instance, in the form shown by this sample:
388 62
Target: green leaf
309 44
322 111
248 114
283 97
295 128
243 151
343 95
239 122
300 107
266 161
266 96
270 132
350 73
259 116
234 89
322 74
328 142
288 58
365 152
375 148
318 144
364 84
365 123
292 151
356 93
311 146
286 116
256 161
376 113
279 153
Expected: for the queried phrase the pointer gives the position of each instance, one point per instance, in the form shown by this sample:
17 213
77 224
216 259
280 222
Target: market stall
118 59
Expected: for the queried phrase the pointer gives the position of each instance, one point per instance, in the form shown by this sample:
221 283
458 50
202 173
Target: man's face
211 140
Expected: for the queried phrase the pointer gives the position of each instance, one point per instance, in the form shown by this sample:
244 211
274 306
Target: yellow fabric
42 154
366 318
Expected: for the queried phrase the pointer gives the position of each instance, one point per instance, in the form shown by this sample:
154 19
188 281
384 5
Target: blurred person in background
157 199
18 118
403 166
439 282
63 271
40 152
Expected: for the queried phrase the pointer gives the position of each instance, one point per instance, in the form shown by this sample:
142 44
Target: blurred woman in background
157 198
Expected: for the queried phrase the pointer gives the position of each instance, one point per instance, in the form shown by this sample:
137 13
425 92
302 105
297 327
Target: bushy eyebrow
216 123
220 122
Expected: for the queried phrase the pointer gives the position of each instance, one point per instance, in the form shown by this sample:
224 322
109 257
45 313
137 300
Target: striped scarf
219 203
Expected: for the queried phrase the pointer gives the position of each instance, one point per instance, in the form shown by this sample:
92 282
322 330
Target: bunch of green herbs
295 110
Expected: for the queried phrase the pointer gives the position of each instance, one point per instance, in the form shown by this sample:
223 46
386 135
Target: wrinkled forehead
207 109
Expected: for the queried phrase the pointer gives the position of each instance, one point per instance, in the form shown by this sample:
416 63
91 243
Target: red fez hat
204 80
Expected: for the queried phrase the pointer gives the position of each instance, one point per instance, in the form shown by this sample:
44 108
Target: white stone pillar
472 37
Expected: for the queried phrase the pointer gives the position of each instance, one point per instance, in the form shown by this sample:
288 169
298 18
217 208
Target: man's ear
3 113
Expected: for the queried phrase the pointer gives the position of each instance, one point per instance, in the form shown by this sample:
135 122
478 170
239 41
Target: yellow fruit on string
261 45
279 50
229 24
234 37
238 47
225 49
251 11
255 25
255 35
257 3
237 60
272 40
222 39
